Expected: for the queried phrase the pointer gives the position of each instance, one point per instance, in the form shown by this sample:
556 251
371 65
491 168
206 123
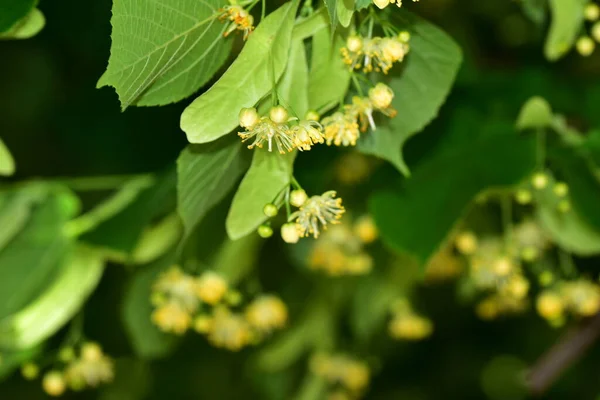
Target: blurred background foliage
57 124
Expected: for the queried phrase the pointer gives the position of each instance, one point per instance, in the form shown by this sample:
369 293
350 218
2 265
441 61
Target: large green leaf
11 11
32 259
163 51
345 9
16 207
293 86
205 174
248 79
27 27
147 340
417 217
78 276
569 230
7 163
420 90
567 20
536 113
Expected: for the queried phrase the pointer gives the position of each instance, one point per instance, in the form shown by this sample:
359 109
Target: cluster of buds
586 44
406 324
205 303
341 249
581 298
287 133
88 369
375 54
381 4
240 19
350 376
542 185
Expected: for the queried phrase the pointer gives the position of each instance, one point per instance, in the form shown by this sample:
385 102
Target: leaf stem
541 148
357 84
506 211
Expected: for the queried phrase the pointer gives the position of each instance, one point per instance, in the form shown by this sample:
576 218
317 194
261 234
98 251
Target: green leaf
417 217
567 20
235 259
7 163
329 76
362 4
156 240
15 209
591 147
269 174
535 10
309 26
147 340
55 306
293 86
205 174
27 27
248 79
163 51
331 6
568 230
536 113
33 257
345 9
420 90
132 381
11 11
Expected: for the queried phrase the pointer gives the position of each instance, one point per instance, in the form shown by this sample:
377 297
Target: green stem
287 203
541 148
263 11
357 85
506 205
567 265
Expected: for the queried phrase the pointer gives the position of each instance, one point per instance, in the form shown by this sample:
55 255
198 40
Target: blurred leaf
536 113
27 27
235 259
147 340
32 259
132 381
329 76
535 10
122 231
268 176
345 9
205 174
164 51
57 304
569 231
9 361
16 207
331 6
567 20
417 217
361 4
591 146
371 305
7 163
11 11
420 89
156 240
246 81
313 387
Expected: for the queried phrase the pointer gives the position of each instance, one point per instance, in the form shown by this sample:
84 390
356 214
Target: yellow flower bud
211 287
203 324
585 46
564 206
30 371
550 305
278 114
381 4
503 266
539 180
354 43
312 115
561 189
365 229
596 31
289 233
410 327
466 243
270 210
523 196
404 36
592 12
381 96
54 383
91 351
248 117
298 197
265 231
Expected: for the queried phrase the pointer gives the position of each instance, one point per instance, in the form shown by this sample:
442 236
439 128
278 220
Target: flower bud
381 4
54 383
596 31
30 371
298 197
404 36
278 114
248 117
91 351
523 196
265 231
270 210
312 115
561 189
381 96
585 46
592 12
539 181
354 43
289 233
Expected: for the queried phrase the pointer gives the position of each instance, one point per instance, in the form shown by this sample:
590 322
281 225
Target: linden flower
239 17
410 326
381 96
267 313
365 229
171 317
179 287
54 383
550 305
229 330
583 297
381 4
211 287
306 134
91 369
319 211
362 108
341 129
267 130
340 369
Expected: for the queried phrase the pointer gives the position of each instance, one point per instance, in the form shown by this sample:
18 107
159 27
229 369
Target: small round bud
596 31
585 46
265 231
248 117
564 206
546 278
561 189
66 354
233 298
270 210
203 324
30 371
365 229
354 43
466 243
539 181
91 351
550 305
54 383
381 96
298 197
278 114
592 12
523 196
289 233
503 266
404 36
312 115
381 4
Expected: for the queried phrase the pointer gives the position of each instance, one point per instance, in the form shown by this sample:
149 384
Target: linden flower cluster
375 54
349 375
88 369
239 18
344 128
340 251
586 44
381 4
406 324
580 298
543 184
275 128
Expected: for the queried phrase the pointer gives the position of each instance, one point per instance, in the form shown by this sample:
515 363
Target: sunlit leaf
157 239
7 163
27 27
12 11
567 20
536 113
345 9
